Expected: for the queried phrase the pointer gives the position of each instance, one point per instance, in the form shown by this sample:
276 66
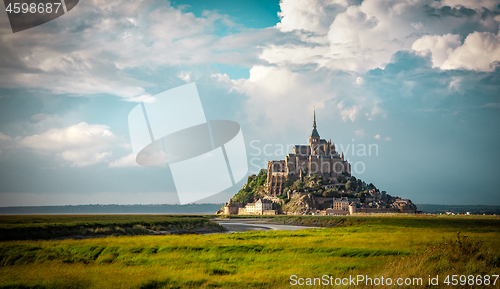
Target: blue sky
417 79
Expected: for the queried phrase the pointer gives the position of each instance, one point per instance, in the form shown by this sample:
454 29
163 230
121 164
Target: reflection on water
257 225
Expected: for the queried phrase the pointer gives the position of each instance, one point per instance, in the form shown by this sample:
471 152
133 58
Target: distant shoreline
202 209
191 209
161 213
459 209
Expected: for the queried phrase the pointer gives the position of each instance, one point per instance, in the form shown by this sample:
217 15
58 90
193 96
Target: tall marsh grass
389 246
452 256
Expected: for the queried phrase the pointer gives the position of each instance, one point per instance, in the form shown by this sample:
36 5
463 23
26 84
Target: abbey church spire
314 133
314 120
314 139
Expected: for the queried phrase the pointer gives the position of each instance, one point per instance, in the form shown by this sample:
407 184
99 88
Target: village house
261 207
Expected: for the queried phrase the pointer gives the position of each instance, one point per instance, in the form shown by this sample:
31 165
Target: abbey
318 157
314 179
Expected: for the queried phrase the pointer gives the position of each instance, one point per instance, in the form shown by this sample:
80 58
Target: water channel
247 225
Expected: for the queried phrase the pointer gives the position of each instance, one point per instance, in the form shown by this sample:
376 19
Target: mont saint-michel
314 179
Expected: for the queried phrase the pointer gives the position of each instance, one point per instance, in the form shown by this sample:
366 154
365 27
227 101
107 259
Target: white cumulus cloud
270 88
98 46
126 161
365 36
80 145
142 98
360 132
3 140
4 137
480 51
310 15
474 4
350 113
441 46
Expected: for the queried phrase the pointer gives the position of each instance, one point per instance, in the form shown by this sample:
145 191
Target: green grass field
33 227
389 246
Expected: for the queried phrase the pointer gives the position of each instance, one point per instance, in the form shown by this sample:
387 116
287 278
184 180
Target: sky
417 81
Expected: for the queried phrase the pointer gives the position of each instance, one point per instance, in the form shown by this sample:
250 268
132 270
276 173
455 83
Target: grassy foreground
389 246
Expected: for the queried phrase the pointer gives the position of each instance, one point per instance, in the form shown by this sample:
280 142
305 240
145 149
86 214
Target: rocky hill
312 194
300 204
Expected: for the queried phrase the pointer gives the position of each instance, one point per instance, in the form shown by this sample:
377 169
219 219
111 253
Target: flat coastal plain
127 255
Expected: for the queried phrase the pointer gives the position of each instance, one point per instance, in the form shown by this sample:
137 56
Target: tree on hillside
287 185
361 196
299 184
319 193
284 195
348 185
353 184
251 189
331 194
